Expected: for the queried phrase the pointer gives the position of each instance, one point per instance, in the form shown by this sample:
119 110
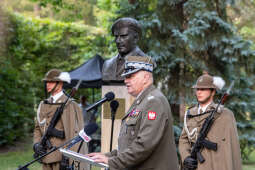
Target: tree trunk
3 33
181 93
37 10
131 1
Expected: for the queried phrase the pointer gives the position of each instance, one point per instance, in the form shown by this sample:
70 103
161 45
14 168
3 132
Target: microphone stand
42 156
114 105
113 118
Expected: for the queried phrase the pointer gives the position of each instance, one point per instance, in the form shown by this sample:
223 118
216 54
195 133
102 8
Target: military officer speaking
146 139
223 130
69 125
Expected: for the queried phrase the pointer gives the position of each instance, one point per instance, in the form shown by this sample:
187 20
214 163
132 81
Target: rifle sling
56 133
197 115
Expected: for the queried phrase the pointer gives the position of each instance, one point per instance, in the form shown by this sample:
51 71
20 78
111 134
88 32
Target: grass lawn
10 159
13 157
20 156
250 164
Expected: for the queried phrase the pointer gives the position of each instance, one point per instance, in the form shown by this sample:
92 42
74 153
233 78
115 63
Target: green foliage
187 37
16 104
247 139
41 44
244 20
35 46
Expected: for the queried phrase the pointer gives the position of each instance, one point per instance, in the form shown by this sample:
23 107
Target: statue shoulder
110 62
137 52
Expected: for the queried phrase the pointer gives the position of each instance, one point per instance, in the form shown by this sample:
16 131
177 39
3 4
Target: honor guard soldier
67 127
146 138
221 150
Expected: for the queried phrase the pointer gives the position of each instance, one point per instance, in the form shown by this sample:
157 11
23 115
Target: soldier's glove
39 149
190 163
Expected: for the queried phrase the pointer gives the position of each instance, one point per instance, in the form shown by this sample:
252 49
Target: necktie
200 111
120 66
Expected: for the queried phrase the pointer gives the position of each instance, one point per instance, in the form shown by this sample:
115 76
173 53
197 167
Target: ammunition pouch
56 133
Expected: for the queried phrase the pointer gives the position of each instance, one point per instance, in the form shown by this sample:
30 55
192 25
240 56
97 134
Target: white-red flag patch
152 115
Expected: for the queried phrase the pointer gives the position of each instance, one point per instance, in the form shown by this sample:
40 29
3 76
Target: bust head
126 32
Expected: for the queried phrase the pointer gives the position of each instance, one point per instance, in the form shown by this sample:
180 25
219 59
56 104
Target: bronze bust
126 32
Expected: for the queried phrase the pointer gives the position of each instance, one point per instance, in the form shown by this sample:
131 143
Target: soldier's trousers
51 166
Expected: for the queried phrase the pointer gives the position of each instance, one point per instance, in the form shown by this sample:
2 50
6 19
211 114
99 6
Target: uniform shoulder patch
152 115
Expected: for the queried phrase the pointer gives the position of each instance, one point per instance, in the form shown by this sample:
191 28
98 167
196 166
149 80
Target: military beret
127 22
134 64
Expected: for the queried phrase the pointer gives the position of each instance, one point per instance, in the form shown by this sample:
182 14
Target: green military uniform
146 139
223 132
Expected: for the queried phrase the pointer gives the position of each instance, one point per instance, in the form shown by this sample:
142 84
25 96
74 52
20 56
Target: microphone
107 97
84 134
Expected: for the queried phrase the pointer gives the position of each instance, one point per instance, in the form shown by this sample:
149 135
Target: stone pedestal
125 100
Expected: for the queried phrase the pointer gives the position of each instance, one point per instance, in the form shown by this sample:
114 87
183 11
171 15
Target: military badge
152 115
134 113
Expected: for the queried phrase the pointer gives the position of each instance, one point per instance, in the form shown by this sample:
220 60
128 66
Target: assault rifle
45 142
51 131
201 141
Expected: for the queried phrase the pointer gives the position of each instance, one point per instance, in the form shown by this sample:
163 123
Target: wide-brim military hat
57 75
134 64
207 81
127 22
